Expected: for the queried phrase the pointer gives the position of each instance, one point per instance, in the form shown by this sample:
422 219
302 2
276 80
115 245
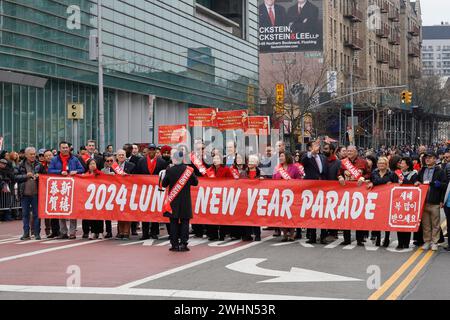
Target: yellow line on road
377 294
410 277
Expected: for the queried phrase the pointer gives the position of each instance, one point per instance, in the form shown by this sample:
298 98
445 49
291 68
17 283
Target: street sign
279 95
75 111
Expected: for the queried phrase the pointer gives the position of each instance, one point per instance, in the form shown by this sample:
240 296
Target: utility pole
352 132
101 111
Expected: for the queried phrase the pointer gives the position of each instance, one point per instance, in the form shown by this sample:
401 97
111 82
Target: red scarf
234 172
151 164
65 162
252 174
44 164
332 158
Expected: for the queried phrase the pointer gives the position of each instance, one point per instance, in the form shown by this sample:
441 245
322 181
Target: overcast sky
435 11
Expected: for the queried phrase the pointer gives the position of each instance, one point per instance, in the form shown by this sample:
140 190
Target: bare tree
303 79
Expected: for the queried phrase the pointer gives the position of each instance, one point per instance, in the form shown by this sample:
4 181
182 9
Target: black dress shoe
52 236
311 241
144 238
386 243
247 238
108 235
154 236
399 247
323 241
378 243
174 249
184 248
360 244
213 238
198 236
85 236
345 243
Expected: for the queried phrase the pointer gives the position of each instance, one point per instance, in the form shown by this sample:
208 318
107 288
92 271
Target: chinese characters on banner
59 196
405 207
258 125
232 120
172 134
202 117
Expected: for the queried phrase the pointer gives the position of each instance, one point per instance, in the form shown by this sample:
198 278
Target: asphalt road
266 270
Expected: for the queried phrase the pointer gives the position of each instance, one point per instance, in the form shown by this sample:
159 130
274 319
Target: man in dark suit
271 14
90 148
150 165
181 205
316 168
303 17
128 147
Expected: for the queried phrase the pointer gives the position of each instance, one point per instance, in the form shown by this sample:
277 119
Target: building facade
160 58
376 43
436 50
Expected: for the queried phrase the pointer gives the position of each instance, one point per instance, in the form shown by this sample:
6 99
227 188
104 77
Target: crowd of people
409 165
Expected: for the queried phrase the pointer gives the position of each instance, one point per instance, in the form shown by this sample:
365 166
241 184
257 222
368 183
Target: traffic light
75 111
408 97
403 96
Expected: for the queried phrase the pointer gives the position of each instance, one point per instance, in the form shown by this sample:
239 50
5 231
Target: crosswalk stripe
334 244
350 246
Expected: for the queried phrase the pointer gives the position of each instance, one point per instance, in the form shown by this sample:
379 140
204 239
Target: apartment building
436 50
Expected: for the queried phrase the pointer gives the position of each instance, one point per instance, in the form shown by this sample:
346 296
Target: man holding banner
353 168
178 205
152 165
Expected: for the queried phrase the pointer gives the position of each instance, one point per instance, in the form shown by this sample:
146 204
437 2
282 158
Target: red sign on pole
258 125
172 134
232 120
202 117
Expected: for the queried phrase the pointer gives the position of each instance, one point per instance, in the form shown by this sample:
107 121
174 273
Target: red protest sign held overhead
258 125
232 120
202 117
172 134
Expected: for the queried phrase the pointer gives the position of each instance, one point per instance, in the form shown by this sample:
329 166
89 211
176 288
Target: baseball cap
430 153
4 161
41 151
152 146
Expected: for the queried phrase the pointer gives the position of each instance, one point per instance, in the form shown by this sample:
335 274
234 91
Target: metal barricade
10 200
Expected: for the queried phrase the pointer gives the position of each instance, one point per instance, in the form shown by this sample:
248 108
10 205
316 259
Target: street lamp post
101 111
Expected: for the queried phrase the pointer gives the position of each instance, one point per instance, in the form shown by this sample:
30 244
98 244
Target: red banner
278 203
232 120
258 125
202 117
172 134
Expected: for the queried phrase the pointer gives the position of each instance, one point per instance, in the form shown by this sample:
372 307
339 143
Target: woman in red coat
217 170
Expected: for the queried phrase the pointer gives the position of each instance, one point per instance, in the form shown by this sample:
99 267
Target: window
229 15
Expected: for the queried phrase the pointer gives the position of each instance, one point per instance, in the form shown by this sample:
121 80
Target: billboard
290 25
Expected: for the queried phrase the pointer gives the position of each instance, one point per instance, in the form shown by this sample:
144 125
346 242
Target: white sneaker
100 236
426 246
434 247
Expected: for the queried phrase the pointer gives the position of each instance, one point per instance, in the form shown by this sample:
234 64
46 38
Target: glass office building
160 58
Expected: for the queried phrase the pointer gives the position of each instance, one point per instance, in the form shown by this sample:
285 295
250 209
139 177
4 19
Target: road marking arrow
249 266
